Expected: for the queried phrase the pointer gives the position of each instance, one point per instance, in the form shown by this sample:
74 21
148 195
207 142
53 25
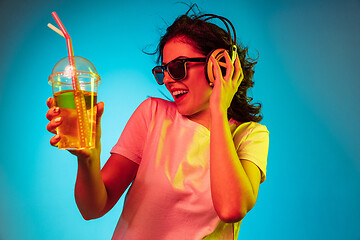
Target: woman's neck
202 118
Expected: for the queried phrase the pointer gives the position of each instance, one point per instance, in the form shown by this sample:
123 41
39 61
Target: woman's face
191 94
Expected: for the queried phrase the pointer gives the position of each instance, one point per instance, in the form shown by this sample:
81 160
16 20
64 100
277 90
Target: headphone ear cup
218 54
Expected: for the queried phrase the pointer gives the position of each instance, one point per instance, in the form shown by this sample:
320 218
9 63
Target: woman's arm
234 182
96 192
117 174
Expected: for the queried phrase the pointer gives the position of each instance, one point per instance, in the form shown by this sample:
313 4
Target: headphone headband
218 54
226 23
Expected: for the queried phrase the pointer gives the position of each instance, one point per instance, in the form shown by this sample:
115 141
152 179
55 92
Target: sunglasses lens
177 69
159 75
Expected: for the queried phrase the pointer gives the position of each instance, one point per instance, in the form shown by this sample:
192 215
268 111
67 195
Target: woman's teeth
179 93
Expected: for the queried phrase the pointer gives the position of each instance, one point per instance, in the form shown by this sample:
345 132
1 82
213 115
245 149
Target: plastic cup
72 128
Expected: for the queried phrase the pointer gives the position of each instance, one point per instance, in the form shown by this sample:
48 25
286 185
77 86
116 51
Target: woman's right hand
53 115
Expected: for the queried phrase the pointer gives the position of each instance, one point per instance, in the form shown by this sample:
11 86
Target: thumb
100 110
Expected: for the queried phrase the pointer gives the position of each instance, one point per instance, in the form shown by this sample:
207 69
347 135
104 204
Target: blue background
307 79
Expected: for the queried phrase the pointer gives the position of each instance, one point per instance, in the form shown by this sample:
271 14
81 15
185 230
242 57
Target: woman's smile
191 94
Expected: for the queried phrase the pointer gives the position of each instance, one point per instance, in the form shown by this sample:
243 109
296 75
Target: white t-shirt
170 197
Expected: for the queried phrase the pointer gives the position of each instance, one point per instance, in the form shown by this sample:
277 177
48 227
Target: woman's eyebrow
179 57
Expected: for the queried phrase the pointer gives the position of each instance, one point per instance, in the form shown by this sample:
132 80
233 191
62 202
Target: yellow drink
69 128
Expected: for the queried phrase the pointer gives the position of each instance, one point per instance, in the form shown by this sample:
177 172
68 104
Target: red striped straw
78 94
69 47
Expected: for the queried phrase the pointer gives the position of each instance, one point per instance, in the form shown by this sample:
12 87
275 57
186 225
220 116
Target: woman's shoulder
246 128
158 106
253 126
159 103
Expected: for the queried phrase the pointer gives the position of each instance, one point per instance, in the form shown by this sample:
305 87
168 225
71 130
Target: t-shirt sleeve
252 144
132 140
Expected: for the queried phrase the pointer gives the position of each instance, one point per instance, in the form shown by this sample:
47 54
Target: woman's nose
167 78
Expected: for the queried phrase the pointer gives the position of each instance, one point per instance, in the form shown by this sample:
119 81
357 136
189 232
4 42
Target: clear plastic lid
63 72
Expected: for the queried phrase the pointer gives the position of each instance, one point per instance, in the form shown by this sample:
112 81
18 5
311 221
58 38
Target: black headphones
218 54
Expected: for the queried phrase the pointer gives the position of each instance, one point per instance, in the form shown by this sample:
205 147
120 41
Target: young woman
195 164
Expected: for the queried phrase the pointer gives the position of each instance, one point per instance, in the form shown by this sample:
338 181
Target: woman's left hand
226 86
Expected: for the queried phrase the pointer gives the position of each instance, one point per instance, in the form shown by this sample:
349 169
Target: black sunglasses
176 69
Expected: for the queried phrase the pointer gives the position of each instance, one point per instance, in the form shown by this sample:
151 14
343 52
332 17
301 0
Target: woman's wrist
218 114
88 159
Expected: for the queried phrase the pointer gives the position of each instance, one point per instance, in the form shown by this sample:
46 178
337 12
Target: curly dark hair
205 37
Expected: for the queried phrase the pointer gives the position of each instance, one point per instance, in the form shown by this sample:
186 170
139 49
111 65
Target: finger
238 73
229 66
216 70
52 112
50 102
100 111
53 124
55 140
